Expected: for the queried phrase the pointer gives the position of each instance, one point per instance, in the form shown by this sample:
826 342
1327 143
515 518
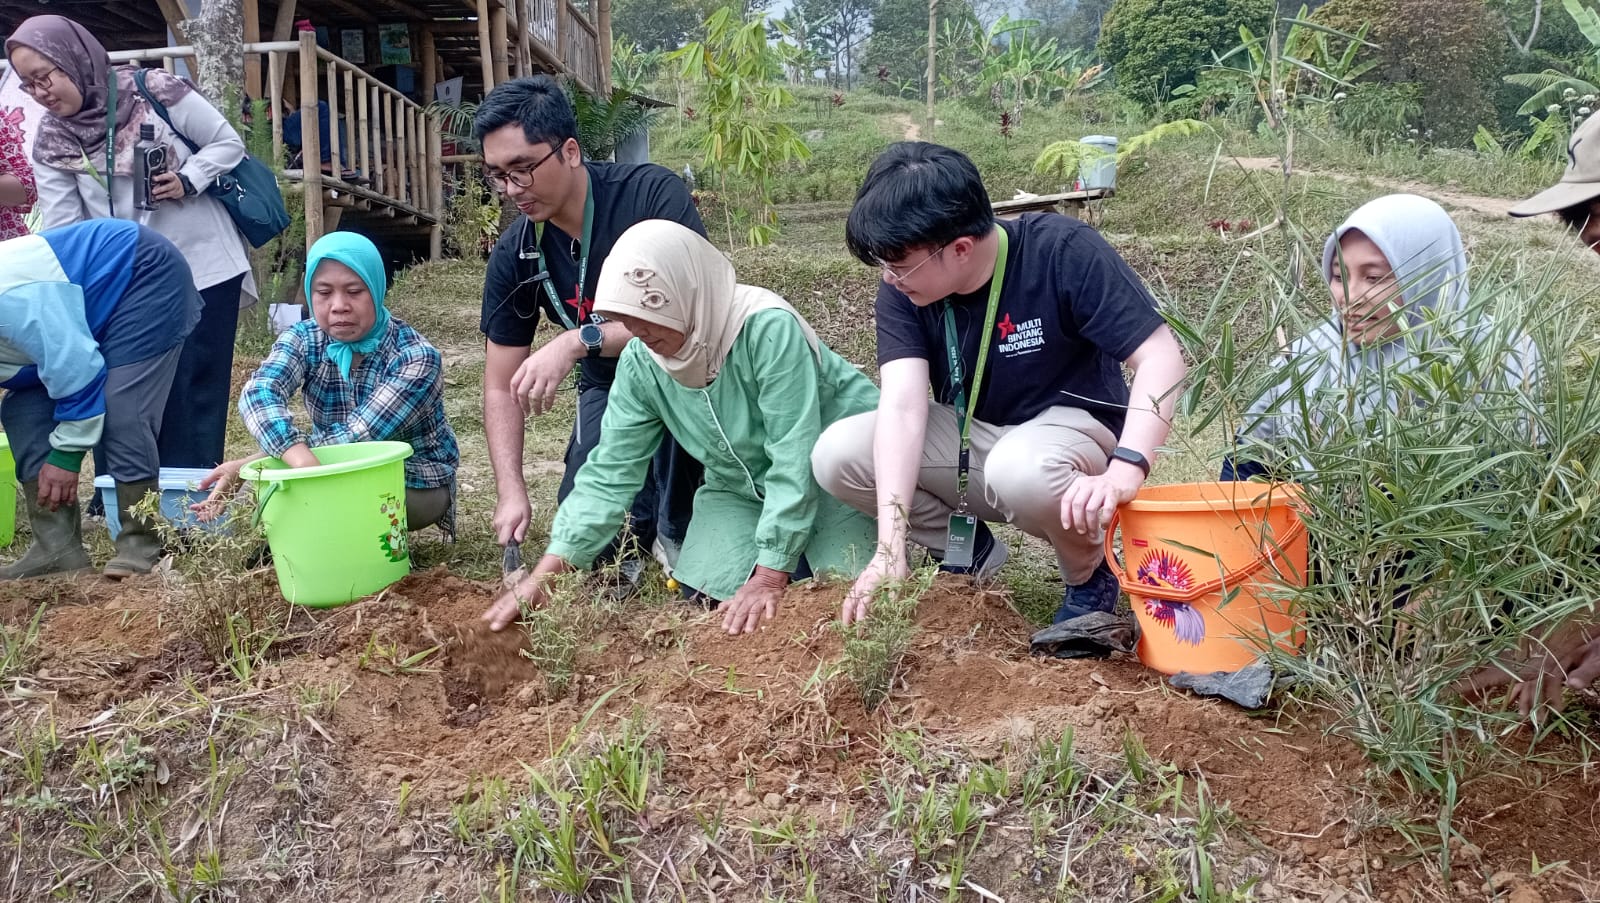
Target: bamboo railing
566 39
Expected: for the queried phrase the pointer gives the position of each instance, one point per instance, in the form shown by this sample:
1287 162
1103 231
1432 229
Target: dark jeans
666 500
196 421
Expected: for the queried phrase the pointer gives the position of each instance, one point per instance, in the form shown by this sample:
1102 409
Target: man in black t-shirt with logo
548 261
1021 330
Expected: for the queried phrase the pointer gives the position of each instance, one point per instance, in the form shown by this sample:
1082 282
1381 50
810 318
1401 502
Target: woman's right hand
223 481
883 568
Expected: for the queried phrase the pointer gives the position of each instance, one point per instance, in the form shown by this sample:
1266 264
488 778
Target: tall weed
1447 526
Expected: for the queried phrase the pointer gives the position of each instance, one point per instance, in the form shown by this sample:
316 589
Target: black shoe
988 554
1098 593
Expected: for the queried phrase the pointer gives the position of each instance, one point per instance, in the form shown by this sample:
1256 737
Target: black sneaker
1098 593
988 554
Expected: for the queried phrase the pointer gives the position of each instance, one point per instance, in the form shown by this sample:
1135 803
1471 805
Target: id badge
959 540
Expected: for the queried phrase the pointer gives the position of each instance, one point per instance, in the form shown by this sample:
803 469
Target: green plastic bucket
337 531
8 493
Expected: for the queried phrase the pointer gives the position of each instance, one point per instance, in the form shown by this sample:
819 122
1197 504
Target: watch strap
1122 453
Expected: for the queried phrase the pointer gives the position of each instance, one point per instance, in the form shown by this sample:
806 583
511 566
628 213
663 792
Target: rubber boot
57 540
138 546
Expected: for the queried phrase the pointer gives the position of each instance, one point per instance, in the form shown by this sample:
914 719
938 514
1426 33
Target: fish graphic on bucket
1205 569
337 530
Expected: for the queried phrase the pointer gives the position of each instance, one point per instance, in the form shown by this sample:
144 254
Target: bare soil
734 710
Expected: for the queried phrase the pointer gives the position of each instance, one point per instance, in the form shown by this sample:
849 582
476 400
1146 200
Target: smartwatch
1132 457
592 338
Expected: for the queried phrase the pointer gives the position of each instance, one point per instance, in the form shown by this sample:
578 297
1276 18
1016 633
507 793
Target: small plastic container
1101 171
179 490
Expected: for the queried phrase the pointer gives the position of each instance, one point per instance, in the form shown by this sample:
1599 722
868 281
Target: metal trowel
511 569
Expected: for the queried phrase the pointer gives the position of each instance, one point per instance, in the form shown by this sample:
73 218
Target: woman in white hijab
1397 273
743 384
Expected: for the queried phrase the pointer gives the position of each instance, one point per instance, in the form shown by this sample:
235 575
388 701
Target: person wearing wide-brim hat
1568 655
1576 198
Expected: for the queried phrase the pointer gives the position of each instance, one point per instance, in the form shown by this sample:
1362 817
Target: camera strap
966 400
583 260
111 139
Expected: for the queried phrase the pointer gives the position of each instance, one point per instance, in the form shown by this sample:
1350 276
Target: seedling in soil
386 659
18 644
873 650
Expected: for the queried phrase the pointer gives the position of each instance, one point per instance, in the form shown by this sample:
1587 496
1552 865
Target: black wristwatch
1132 457
188 186
592 338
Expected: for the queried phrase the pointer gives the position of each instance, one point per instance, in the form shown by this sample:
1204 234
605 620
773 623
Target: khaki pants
1018 475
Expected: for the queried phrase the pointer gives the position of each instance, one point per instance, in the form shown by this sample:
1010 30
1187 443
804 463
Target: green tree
739 72
1154 46
659 24
896 56
1453 50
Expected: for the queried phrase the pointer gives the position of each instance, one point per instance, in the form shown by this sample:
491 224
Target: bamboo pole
333 121
500 44
283 26
562 49
402 153
436 194
603 38
387 133
933 31
252 62
524 38
381 183
366 137
485 48
310 140
350 124
428 54
275 110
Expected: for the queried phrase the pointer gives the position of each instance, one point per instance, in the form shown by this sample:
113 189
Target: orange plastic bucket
1200 563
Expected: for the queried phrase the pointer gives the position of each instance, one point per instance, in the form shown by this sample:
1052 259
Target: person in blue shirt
93 317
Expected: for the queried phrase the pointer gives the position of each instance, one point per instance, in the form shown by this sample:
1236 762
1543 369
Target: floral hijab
78 142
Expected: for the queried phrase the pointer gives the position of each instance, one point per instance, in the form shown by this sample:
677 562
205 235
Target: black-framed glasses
522 178
900 277
41 83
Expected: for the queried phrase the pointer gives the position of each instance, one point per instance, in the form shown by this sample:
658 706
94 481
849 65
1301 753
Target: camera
149 161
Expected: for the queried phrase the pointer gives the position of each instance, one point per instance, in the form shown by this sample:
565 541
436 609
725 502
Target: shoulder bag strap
161 110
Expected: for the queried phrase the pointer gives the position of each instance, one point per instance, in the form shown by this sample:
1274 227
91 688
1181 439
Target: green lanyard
964 415
111 137
583 260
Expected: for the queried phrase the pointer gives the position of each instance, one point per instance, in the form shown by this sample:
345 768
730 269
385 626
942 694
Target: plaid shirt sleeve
402 391
264 403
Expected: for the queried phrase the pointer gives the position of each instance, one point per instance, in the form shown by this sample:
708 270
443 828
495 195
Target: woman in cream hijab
743 384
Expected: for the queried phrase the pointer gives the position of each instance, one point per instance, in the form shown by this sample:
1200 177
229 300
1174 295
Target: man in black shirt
549 260
1021 330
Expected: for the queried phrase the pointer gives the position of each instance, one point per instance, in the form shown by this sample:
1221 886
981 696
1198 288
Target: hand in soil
1570 657
755 602
529 592
878 571
223 481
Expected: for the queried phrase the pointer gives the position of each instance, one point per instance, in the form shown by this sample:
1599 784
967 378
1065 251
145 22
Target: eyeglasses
41 84
900 277
522 178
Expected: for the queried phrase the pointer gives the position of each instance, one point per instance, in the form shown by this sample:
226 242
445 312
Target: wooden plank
310 141
435 194
175 14
407 10
484 46
350 123
252 61
352 9
524 36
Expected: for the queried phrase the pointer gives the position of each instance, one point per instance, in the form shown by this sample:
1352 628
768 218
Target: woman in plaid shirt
364 377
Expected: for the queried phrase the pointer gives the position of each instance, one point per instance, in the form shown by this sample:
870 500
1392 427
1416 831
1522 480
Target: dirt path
909 130
1496 208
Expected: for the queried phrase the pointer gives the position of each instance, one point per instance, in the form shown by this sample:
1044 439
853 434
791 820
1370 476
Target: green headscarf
359 254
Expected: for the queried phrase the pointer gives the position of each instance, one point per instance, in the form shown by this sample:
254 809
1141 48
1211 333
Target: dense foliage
1156 46
1452 50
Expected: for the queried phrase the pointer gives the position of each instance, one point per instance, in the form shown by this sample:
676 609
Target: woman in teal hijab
364 376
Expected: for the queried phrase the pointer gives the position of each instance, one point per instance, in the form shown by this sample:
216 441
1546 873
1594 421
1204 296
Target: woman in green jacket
741 381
